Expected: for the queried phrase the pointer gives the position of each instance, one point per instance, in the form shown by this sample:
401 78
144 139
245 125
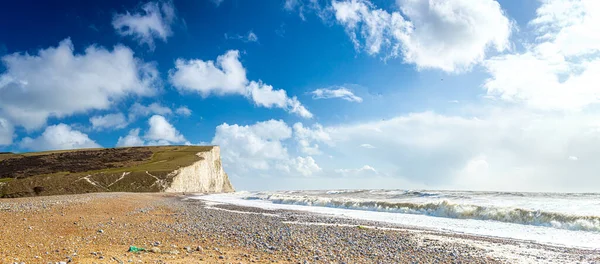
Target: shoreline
100 227
503 249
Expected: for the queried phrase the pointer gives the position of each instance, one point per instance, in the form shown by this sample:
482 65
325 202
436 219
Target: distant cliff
137 169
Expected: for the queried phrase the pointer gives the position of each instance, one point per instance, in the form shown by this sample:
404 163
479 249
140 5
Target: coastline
100 228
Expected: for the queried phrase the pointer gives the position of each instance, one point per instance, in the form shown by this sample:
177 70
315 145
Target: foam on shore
539 234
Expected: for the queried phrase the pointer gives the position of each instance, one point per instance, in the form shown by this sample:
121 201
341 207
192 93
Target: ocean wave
344 191
448 210
420 193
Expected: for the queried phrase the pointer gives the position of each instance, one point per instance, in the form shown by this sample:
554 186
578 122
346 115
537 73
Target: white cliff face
205 175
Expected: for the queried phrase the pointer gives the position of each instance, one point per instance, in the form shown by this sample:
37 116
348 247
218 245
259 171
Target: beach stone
199 248
155 250
174 252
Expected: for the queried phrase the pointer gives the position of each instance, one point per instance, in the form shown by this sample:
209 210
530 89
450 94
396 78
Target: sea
557 219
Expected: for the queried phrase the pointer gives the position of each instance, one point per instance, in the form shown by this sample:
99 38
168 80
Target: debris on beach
136 249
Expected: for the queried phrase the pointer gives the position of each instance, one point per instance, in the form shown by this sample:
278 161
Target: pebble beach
171 228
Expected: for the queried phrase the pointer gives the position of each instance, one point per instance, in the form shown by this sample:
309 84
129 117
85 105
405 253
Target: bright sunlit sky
309 94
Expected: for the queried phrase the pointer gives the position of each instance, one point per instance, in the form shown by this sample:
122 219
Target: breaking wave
448 210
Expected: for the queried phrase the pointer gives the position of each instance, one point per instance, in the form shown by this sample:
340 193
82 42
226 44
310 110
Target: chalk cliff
205 175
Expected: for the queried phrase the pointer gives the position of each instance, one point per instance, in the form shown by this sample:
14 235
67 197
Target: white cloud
258 149
290 4
58 83
57 137
138 109
308 138
264 95
161 132
252 37
337 92
228 77
183 110
448 35
306 6
131 140
252 147
308 148
559 70
6 132
154 22
249 37
306 166
489 152
294 106
364 171
368 146
109 121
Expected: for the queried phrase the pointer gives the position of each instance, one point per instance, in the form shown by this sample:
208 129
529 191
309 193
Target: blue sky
305 94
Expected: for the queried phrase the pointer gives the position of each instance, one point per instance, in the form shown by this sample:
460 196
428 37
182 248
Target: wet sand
101 227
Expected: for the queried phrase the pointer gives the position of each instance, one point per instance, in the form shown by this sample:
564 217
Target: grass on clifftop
164 159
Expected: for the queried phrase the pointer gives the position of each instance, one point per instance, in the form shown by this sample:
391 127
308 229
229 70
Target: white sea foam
559 219
445 208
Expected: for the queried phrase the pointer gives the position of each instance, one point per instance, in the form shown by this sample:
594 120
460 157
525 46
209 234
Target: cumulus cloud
227 76
368 146
559 70
258 149
161 132
448 35
57 82
264 95
308 138
153 22
183 110
223 77
109 121
6 132
139 110
336 92
306 166
58 137
253 147
132 139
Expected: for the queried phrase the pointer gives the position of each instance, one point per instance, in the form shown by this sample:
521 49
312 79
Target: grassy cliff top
135 169
92 161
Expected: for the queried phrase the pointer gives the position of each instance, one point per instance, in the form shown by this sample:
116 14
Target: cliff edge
136 169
